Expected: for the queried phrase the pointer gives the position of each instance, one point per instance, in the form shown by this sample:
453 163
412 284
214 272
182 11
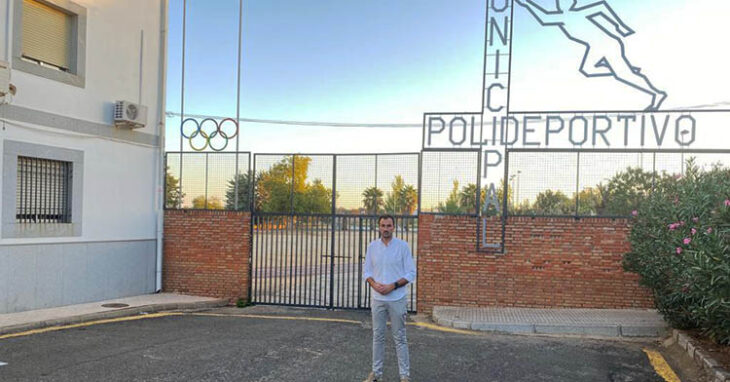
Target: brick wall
550 262
206 253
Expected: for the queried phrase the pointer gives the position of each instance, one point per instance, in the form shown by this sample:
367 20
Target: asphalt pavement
285 344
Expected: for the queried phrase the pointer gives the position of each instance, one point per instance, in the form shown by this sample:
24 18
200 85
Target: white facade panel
113 255
114 45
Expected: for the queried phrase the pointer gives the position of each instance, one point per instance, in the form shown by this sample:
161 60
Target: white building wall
114 256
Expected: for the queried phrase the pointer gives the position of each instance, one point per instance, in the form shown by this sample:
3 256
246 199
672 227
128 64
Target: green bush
680 246
242 303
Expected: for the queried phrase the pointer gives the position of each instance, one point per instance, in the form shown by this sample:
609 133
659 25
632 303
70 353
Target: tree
315 199
213 203
409 196
276 186
372 199
391 204
402 199
468 193
244 192
468 198
551 202
590 202
626 190
173 194
452 204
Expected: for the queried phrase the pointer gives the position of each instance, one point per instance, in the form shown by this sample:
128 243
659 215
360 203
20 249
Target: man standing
388 268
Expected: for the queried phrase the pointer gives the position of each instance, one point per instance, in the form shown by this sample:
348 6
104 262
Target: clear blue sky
335 60
392 60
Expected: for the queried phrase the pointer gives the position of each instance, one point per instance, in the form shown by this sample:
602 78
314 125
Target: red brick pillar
206 253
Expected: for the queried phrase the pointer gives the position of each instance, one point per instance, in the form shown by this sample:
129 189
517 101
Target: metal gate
305 256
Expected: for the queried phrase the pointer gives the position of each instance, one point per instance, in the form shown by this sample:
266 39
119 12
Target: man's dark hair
382 217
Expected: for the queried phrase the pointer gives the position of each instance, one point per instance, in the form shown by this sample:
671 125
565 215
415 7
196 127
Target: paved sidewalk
580 322
71 314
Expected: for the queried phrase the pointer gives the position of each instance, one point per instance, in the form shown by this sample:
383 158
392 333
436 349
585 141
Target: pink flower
694 231
695 220
679 250
686 240
634 212
709 230
673 226
727 202
681 223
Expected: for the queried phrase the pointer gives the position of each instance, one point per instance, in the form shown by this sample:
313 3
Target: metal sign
601 32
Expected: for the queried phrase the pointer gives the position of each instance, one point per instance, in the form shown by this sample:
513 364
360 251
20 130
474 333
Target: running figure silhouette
605 52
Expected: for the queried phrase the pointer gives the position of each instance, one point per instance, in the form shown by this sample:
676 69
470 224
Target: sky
344 61
389 61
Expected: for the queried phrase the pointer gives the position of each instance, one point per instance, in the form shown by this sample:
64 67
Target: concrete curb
152 308
700 356
588 330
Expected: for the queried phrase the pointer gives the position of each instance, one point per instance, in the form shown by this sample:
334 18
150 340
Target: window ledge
47 72
31 230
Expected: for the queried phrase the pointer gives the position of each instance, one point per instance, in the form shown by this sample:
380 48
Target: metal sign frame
499 28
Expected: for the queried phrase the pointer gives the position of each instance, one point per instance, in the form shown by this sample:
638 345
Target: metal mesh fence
207 181
594 182
363 184
377 183
449 182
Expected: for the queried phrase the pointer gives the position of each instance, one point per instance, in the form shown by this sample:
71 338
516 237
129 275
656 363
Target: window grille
43 191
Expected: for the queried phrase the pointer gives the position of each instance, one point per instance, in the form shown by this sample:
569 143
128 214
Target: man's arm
367 274
409 271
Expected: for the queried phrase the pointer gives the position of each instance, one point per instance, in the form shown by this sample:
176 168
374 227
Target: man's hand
382 288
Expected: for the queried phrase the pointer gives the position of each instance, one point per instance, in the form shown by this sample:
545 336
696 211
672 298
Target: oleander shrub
680 246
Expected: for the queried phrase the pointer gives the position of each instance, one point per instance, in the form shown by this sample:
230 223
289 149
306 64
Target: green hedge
680 241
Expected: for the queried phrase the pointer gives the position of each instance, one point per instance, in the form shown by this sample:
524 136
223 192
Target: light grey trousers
397 312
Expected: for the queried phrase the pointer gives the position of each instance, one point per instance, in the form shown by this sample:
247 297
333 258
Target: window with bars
43 191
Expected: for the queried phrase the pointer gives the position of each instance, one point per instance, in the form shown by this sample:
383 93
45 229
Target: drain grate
115 305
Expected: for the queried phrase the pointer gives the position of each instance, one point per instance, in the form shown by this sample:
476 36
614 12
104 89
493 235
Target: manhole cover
115 305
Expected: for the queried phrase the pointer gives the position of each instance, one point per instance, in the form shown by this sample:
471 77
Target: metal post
291 189
577 184
206 181
238 102
376 184
653 172
332 243
479 184
182 89
359 263
504 200
164 184
420 177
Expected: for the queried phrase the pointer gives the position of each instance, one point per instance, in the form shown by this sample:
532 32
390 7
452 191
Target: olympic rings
200 130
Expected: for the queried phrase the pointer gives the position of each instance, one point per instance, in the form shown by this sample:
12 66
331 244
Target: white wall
115 254
119 177
112 63
118 189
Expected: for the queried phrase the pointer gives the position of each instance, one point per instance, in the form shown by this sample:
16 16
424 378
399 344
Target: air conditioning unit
130 115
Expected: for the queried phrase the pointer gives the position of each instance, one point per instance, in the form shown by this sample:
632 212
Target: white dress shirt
387 264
